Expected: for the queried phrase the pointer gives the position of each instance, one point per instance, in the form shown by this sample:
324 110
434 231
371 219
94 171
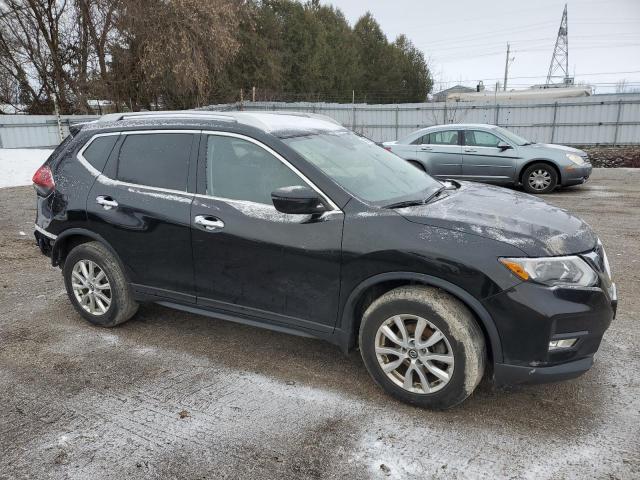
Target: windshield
517 139
364 169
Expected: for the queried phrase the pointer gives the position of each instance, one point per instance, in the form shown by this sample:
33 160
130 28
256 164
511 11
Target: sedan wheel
91 287
414 354
539 179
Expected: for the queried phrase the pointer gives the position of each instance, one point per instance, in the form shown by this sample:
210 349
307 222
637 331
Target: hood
553 146
521 220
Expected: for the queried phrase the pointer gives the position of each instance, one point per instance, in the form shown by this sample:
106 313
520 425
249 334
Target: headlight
577 159
571 270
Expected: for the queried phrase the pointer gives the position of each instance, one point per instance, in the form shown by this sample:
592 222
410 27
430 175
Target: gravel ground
172 395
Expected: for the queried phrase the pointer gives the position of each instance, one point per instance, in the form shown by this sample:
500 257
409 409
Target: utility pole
253 94
353 110
559 67
57 112
506 69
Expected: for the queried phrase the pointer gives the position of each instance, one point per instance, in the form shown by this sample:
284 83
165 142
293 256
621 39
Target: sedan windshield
364 169
517 139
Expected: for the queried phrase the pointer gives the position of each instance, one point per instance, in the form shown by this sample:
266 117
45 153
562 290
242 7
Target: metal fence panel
27 131
598 119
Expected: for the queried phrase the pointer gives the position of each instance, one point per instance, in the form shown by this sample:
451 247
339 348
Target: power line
492 34
579 75
520 50
529 41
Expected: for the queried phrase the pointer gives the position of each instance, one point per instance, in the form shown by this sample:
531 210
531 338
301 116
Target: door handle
470 150
209 222
425 148
107 202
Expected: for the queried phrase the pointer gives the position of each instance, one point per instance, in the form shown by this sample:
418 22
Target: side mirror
297 200
504 146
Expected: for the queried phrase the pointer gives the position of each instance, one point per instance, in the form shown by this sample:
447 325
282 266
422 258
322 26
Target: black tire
544 170
122 306
452 318
418 165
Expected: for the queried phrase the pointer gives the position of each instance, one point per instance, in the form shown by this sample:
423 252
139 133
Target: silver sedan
492 154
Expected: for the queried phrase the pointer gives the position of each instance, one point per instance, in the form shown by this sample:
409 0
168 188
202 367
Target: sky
465 40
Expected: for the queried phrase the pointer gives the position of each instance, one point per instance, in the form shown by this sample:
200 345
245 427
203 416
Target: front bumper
576 174
529 316
505 374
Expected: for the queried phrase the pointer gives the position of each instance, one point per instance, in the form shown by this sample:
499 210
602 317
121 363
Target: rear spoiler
76 127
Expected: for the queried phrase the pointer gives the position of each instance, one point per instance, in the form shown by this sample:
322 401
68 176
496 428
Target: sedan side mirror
504 146
297 200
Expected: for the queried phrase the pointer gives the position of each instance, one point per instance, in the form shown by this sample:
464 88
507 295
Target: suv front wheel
423 346
96 285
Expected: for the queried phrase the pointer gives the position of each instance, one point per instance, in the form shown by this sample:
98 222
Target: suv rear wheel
96 285
423 346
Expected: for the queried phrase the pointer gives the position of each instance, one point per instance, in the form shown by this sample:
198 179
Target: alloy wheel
91 287
539 179
414 354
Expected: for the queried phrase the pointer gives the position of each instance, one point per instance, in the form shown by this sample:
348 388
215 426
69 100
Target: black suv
294 223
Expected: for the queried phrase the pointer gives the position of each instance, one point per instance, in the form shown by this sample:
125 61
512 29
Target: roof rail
116 117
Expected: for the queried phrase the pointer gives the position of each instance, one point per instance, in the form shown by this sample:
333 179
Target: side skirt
237 319
252 317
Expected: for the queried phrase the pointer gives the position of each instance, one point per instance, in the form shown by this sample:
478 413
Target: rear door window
447 137
156 160
97 153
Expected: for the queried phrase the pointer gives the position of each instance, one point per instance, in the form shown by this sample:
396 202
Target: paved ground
181 396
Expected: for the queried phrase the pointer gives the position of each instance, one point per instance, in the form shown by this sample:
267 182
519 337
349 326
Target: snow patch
164 196
17 165
264 211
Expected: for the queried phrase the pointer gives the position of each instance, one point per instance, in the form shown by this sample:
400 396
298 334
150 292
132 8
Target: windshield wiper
412 203
406 203
435 194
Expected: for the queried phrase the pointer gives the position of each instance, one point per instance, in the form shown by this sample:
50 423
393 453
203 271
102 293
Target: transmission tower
559 68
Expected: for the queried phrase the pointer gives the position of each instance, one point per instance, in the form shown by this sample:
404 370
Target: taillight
388 149
43 180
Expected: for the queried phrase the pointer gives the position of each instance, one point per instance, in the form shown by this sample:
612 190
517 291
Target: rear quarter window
98 151
423 140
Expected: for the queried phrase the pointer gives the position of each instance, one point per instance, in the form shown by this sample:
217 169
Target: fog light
564 343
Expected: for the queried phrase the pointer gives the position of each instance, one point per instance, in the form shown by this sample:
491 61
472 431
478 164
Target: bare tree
39 48
58 48
180 65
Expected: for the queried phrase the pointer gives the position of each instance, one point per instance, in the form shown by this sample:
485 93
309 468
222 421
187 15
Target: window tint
98 151
478 138
241 170
156 159
448 137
